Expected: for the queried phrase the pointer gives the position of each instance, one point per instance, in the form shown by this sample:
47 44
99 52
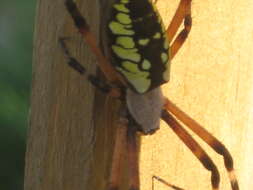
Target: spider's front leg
103 86
84 30
183 13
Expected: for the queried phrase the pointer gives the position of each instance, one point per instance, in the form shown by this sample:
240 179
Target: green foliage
16 35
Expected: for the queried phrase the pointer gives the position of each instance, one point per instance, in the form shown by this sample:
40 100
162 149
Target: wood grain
61 134
212 81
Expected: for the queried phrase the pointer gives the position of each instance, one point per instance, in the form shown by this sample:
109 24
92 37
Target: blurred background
16 35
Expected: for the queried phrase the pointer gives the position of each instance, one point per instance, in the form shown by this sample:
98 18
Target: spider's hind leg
208 138
195 148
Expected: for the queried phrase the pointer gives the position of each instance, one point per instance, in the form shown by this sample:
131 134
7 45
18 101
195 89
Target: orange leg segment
133 162
183 13
90 39
208 138
119 147
196 149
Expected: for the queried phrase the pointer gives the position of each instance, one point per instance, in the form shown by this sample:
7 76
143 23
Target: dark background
16 35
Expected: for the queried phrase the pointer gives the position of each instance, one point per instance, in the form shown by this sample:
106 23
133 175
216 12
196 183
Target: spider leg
166 183
90 39
94 80
120 145
183 13
213 142
125 140
196 149
132 153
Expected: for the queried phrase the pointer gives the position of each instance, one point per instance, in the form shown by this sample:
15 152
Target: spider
135 60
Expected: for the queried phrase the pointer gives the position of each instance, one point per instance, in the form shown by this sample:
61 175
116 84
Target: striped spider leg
126 130
131 67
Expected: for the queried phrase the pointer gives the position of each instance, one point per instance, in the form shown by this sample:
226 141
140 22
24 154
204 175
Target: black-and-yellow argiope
135 61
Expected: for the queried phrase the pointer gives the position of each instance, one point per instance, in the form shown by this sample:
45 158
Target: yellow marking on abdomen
166 44
139 80
130 66
166 73
124 1
157 35
146 64
143 42
121 7
123 18
129 54
126 42
164 57
119 29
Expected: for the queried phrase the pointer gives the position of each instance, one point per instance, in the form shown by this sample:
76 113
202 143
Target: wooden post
212 81
61 138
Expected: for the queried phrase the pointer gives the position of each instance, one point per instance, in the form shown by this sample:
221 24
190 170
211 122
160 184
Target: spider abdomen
146 108
138 44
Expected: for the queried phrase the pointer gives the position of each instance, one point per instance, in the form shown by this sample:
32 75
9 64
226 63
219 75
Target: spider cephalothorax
135 60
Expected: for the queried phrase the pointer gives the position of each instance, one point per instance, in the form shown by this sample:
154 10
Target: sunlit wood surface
211 80
70 142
